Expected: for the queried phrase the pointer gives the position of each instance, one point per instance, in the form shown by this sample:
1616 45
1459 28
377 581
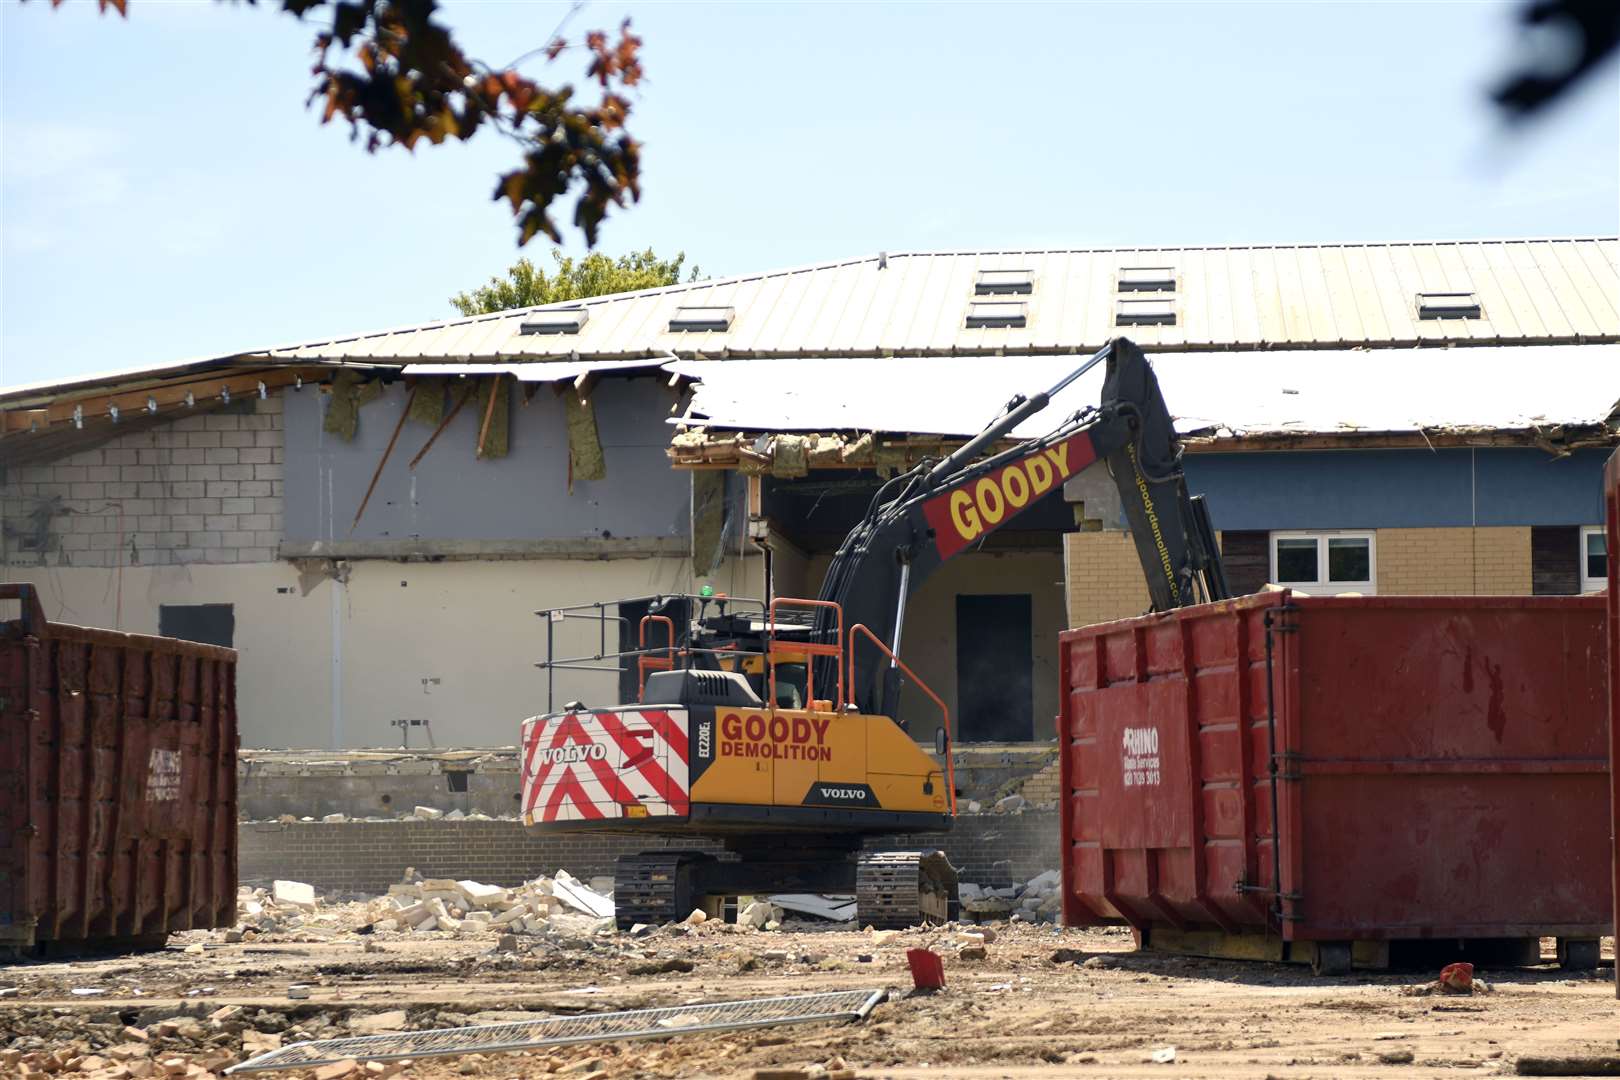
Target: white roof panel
1230 393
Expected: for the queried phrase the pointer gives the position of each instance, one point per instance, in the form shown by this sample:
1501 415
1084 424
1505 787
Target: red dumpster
1611 518
118 807
1435 766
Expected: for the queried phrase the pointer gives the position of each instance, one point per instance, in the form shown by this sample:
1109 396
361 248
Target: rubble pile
430 905
1040 899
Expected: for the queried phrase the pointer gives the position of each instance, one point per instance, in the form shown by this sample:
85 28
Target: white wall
467 624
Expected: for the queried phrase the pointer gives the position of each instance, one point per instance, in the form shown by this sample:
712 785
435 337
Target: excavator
769 729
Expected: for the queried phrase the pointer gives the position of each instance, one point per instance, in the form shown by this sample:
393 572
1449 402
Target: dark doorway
994 668
210 624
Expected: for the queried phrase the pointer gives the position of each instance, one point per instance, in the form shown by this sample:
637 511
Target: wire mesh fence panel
564 1030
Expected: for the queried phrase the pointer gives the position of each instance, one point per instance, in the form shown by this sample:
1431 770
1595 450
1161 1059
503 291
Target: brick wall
363 856
203 489
1462 561
1103 577
1042 788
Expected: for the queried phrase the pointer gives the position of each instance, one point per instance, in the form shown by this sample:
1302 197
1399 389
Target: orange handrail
945 713
645 664
835 650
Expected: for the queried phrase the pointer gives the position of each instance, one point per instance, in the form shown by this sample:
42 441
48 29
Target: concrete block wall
1456 561
202 489
990 849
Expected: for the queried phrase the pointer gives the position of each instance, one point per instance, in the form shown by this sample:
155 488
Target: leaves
413 83
594 275
398 78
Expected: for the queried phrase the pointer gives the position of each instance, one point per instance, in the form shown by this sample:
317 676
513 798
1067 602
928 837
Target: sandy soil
1101 1010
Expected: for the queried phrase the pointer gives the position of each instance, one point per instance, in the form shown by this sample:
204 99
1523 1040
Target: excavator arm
920 519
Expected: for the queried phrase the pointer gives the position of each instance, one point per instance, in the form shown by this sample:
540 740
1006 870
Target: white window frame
1321 585
1591 584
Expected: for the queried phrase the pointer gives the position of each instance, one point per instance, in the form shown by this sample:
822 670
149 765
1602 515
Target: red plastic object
1611 517
927 969
1439 768
118 809
1458 976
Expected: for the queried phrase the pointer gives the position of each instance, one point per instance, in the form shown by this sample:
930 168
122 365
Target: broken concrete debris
1040 899
427 905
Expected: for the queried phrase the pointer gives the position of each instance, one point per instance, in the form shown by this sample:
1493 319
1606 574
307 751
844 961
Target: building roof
917 304
1554 396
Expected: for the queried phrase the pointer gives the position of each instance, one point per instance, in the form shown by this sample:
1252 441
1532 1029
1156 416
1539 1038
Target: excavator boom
929 515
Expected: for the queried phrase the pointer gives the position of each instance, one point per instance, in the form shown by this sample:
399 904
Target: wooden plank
169 395
404 414
489 416
466 396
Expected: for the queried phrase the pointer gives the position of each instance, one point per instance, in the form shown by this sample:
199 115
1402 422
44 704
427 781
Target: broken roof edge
40 395
755 451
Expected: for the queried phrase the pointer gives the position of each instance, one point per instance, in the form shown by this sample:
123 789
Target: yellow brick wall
1466 561
1103 577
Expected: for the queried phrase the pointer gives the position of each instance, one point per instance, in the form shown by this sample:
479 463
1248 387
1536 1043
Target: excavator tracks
653 887
897 889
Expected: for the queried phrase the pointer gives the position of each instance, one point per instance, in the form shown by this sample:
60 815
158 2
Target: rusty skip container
1611 531
1436 768
118 797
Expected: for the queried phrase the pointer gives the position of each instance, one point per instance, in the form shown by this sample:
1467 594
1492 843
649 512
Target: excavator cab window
790 683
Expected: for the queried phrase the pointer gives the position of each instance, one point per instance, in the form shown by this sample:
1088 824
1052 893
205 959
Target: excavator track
897 889
653 887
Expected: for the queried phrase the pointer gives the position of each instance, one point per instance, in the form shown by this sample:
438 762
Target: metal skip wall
119 823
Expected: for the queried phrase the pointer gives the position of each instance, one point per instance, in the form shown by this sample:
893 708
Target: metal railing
840 1005
606 660
944 712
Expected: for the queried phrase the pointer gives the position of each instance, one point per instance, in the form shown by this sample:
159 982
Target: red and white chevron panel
603 764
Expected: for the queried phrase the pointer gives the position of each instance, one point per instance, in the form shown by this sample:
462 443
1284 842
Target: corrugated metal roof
914 303
553 372
1225 394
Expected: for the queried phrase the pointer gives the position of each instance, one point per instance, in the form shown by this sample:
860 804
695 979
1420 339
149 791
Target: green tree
595 275
399 78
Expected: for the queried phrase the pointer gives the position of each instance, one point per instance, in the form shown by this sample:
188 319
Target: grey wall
453 496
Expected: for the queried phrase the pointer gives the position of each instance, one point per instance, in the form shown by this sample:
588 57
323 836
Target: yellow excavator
769 726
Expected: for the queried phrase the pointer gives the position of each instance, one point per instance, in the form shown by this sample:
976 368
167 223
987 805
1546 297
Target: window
699 318
1594 559
555 321
991 282
1147 279
1145 313
1448 305
1329 562
991 314
210 624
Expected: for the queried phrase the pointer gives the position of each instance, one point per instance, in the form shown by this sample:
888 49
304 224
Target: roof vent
997 314
698 319
1145 313
1147 279
1447 305
995 282
555 321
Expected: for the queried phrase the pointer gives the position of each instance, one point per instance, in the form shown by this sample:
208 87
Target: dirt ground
1097 1010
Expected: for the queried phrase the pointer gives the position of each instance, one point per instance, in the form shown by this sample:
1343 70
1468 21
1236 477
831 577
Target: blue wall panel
1386 489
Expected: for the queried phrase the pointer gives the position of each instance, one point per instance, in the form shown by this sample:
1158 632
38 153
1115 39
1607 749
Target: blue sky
166 195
